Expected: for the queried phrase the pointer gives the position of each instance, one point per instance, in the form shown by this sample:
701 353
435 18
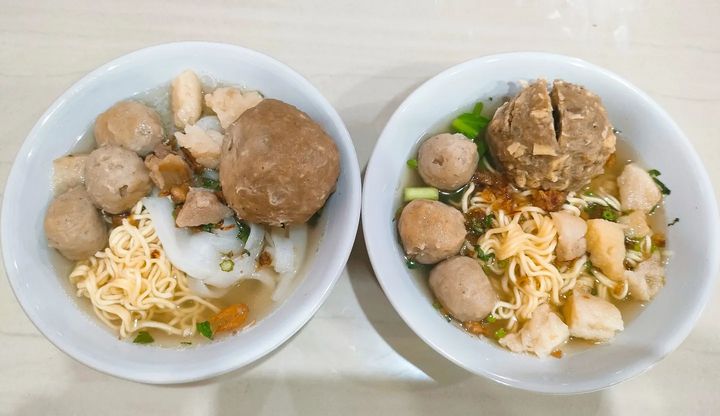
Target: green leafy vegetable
470 124
243 231
654 173
610 214
227 265
205 329
210 183
143 337
412 163
482 255
500 333
477 110
413 193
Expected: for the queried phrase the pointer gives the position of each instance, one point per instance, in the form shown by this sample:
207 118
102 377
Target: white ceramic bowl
656 331
44 293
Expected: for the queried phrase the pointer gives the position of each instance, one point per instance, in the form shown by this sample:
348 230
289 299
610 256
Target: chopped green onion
412 264
210 184
610 214
205 329
413 193
675 221
481 147
482 255
412 163
477 110
143 337
500 333
588 267
437 305
654 173
503 264
480 225
185 343
227 265
243 231
490 319
208 228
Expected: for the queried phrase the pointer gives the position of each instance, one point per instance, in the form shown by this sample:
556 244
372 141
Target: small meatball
541 335
131 125
186 99
635 224
230 103
606 244
116 178
447 161
571 235
592 318
169 171
431 231
277 165
463 289
556 141
203 145
74 226
647 279
201 206
637 188
68 172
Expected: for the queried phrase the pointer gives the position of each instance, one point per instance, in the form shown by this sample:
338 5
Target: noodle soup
543 254
162 229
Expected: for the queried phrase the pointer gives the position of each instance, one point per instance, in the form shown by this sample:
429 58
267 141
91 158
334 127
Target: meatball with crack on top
74 226
116 178
447 161
431 231
277 166
130 124
552 141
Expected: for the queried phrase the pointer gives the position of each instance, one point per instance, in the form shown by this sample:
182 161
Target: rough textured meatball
556 141
463 289
277 165
447 161
116 178
73 225
431 231
131 125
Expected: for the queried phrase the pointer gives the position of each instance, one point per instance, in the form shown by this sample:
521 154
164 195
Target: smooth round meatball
431 231
131 125
277 166
552 141
74 226
463 289
116 178
447 161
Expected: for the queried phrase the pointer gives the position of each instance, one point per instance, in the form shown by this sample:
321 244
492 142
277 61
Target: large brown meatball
463 288
431 231
556 141
277 165
73 225
447 161
116 178
131 125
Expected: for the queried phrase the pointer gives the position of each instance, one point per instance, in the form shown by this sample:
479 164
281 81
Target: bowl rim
308 306
369 226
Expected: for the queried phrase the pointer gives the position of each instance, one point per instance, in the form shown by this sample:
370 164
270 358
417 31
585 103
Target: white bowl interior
44 293
656 331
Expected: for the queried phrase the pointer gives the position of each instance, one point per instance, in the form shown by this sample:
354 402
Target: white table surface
356 355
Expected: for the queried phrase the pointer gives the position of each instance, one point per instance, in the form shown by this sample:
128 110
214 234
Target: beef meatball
74 226
463 289
277 165
131 125
556 141
447 161
431 231
116 178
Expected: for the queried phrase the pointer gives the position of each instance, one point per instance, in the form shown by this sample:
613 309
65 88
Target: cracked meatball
551 141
